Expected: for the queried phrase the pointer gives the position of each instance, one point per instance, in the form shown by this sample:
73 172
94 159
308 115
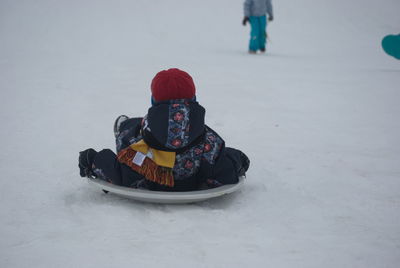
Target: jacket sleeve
227 168
247 7
240 161
224 171
270 10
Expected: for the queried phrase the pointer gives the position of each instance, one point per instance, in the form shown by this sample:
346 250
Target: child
255 11
170 149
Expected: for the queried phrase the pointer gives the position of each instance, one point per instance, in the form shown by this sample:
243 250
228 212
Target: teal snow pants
258 34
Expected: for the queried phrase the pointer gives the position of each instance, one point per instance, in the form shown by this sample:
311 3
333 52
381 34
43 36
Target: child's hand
245 20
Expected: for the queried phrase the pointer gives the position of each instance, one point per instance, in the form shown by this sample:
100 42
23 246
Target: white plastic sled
166 197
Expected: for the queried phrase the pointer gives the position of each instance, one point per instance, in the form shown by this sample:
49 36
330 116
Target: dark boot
86 159
117 124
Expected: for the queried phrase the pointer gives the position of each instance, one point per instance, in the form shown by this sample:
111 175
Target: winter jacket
176 128
258 8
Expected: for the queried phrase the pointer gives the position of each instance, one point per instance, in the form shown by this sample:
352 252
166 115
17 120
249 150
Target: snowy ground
318 115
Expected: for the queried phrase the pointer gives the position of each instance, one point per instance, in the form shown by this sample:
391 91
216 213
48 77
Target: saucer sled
166 197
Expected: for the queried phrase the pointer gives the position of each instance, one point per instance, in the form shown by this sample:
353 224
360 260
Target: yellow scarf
161 158
156 166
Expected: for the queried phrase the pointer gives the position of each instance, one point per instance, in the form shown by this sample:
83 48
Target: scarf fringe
149 169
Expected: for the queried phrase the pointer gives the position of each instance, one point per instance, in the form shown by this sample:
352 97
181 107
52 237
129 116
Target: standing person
256 11
171 148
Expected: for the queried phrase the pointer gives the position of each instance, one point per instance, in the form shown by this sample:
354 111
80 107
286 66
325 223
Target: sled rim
167 197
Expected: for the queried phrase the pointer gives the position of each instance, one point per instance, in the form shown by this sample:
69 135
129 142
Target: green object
391 45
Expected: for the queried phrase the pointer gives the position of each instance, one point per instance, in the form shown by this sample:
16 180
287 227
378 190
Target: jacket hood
173 125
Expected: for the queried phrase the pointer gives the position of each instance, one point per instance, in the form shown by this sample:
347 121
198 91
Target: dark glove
245 20
270 18
245 164
86 159
240 161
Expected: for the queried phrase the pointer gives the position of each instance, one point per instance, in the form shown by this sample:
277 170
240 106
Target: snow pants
258 34
108 168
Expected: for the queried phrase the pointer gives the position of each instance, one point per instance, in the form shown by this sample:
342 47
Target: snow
317 115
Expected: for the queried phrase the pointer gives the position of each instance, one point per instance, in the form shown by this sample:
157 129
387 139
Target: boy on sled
169 149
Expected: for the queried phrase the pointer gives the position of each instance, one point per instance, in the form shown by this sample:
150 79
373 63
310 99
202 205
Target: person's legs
106 167
262 32
254 34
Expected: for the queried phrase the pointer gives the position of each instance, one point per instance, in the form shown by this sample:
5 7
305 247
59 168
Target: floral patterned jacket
202 160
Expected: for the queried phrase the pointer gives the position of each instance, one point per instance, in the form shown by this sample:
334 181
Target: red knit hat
172 84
